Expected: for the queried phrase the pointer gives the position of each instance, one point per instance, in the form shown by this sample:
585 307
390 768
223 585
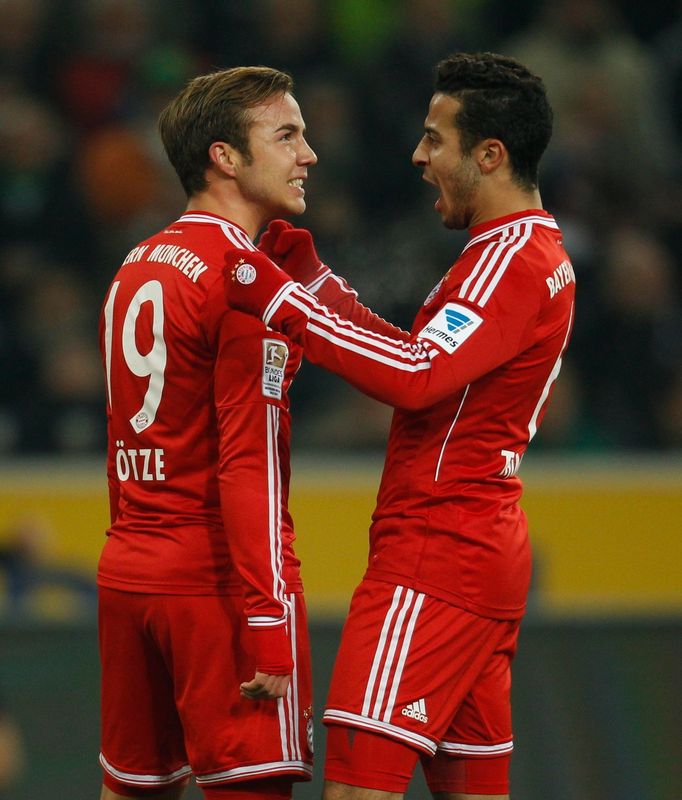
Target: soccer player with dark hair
423 670
203 637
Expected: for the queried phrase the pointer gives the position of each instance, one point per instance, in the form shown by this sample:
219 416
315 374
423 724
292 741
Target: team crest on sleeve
275 355
451 326
433 292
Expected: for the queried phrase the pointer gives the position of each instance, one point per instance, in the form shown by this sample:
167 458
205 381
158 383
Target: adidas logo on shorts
416 710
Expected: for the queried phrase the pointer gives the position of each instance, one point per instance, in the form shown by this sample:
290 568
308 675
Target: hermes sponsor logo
451 326
275 355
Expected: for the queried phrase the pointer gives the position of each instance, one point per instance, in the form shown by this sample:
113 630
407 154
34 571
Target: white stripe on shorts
288 706
394 641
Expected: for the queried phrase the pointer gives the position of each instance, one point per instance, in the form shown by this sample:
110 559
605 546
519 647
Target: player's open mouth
439 201
297 182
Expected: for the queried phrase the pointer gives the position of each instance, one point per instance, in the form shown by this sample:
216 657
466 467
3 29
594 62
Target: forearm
251 498
401 371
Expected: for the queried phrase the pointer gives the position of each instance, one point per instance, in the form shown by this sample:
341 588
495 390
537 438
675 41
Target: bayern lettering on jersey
560 278
181 258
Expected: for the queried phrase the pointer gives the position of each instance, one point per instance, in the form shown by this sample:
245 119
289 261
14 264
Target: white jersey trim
320 314
414 357
275 510
287 706
493 248
460 749
546 222
332 715
144 780
319 279
236 235
267 622
493 263
365 352
280 296
255 771
507 241
447 437
553 375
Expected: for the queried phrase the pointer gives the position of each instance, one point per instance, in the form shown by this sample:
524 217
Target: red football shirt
470 385
199 429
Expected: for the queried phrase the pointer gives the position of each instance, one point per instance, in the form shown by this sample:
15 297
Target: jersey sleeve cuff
272 650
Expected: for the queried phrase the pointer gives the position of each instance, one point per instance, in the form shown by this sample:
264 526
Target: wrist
254 283
272 650
316 279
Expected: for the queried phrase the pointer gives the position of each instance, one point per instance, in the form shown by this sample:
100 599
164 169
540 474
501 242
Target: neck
236 209
504 201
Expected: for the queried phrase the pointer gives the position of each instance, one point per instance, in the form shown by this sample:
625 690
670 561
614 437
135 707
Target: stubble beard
464 180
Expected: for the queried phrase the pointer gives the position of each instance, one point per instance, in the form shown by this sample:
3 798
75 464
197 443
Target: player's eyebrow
289 126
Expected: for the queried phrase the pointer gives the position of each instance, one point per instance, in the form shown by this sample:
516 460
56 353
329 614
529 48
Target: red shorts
171 670
424 673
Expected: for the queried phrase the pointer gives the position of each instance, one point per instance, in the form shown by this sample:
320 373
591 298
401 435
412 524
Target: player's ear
225 158
490 155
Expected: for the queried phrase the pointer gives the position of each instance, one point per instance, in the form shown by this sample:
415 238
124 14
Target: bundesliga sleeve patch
275 355
451 326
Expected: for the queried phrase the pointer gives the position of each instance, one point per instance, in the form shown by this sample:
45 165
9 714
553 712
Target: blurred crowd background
83 177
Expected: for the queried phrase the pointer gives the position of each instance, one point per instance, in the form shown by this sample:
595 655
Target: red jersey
470 385
199 429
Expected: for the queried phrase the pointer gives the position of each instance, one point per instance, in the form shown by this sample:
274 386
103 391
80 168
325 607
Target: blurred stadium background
598 695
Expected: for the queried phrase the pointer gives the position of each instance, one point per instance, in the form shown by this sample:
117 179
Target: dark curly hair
501 99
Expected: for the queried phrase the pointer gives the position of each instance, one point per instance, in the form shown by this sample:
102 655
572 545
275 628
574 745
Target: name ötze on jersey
145 464
179 257
562 276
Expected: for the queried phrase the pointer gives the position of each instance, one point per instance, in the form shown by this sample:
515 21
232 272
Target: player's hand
269 241
252 281
265 687
293 250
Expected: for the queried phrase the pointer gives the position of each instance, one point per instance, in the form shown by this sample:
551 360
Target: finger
276 226
271 688
274 231
261 694
289 239
265 245
250 695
